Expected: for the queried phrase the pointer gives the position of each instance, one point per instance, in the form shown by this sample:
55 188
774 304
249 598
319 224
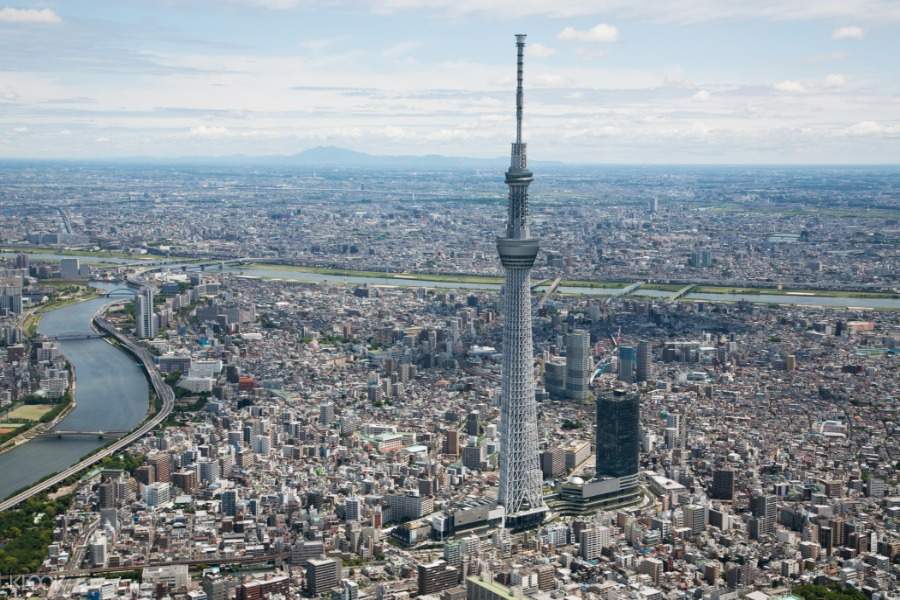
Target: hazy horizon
699 82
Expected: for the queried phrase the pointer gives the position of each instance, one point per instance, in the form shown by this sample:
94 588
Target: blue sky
607 81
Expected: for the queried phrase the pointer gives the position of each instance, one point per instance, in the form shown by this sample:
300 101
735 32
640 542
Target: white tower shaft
520 474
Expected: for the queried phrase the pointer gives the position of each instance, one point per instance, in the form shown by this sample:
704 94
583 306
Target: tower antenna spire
520 76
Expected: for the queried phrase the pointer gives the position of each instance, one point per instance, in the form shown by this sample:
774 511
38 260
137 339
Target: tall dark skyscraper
627 358
763 507
644 361
618 433
723 484
520 470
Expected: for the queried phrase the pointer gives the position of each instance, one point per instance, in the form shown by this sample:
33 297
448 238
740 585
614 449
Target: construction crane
605 363
549 292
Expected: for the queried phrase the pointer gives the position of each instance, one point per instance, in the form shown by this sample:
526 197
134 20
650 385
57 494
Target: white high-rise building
520 469
579 365
98 549
593 541
353 509
146 319
157 494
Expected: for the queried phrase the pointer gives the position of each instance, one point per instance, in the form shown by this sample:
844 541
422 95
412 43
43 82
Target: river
111 393
88 259
287 274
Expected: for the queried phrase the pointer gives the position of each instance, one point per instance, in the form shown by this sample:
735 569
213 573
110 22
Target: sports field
30 412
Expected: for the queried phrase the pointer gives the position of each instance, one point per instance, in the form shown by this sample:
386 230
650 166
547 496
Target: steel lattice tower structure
520 473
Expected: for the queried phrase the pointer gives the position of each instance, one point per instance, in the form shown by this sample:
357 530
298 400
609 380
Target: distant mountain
332 156
335 157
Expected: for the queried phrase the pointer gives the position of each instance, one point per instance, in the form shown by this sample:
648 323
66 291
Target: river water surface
111 394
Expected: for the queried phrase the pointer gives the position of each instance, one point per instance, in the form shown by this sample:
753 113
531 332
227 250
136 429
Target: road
208 561
162 391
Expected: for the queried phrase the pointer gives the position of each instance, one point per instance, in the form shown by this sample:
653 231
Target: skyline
713 83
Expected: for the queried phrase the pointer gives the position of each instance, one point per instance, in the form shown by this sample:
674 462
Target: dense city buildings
630 423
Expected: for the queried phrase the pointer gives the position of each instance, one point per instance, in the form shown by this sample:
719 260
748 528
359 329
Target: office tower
473 455
11 295
144 474
352 509
453 552
436 576
694 518
322 574
452 443
618 433
208 470
674 430
763 508
578 365
162 466
593 541
473 425
723 484
546 578
107 495
98 549
626 364
146 326
520 475
555 378
229 502
553 462
652 567
644 361
326 413
262 444
69 268
157 494
875 488
185 480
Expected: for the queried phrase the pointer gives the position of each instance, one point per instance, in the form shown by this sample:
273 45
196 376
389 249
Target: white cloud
28 15
20 129
790 87
206 131
602 33
871 128
835 81
701 96
102 140
849 32
686 11
540 51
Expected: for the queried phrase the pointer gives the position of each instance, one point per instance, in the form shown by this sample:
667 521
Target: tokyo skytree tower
520 473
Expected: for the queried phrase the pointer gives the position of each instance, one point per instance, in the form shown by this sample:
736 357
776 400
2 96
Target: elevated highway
162 390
